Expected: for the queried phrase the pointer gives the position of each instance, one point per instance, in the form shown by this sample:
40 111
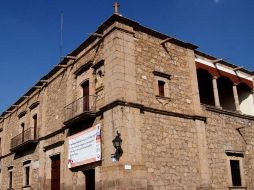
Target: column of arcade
225 93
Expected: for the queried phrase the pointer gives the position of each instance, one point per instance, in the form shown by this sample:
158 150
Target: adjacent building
185 118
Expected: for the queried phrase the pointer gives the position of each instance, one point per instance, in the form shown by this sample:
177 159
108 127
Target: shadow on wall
23 153
205 87
225 89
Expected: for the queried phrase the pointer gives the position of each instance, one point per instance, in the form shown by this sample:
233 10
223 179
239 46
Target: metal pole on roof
61 36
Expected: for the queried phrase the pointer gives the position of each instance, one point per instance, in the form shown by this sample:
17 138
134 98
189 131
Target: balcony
24 140
80 109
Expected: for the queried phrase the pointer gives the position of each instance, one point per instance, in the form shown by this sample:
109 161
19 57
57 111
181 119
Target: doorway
55 172
90 179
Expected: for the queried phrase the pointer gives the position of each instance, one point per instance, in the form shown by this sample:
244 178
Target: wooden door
85 87
55 172
90 179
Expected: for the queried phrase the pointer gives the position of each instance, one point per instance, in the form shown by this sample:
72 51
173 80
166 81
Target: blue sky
30 32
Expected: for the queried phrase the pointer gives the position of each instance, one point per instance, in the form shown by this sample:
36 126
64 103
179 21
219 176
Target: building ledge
81 117
163 98
237 188
26 187
25 145
144 109
227 112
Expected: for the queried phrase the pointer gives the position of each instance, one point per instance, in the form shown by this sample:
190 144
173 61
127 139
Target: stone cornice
116 103
152 110
227 112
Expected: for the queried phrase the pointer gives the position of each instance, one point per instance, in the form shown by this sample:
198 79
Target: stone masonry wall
169 150
151 56
11 129
222 136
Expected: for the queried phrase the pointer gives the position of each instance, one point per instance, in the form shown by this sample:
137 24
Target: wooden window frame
161 87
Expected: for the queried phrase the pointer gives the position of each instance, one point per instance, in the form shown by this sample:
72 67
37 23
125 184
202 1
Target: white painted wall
246 105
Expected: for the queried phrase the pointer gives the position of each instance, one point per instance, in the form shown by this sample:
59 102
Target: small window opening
10 179
35 125
235 173
22 131
27 175
161 86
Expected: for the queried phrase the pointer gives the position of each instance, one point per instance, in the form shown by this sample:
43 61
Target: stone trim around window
34 105
161 74
235 156
26 179
161 77
22 114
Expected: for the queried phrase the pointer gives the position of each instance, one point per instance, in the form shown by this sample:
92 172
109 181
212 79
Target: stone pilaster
205 181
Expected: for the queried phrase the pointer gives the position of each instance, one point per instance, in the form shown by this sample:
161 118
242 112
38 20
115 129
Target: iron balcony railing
27 135
82 105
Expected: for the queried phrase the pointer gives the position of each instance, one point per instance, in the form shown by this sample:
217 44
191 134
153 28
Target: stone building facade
186 118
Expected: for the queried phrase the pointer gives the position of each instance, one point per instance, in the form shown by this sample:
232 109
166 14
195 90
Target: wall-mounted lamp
117 143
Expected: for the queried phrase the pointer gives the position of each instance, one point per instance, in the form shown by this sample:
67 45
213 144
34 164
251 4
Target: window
85 87
22 131
161 86
35 125
26 173
235 168
235 173
10 179
10 176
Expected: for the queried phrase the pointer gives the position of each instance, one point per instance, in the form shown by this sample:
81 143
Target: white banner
85 147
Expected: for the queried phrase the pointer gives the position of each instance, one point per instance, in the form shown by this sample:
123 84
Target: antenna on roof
61 37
